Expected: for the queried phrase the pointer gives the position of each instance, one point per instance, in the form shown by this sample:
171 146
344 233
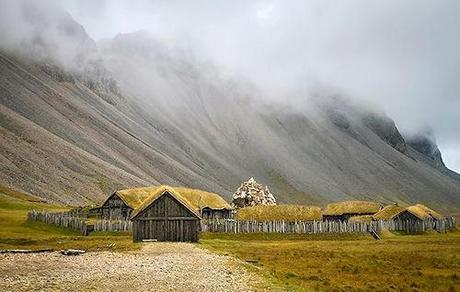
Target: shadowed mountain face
151 114
425 145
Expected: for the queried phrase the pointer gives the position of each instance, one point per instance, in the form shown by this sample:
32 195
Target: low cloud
399 55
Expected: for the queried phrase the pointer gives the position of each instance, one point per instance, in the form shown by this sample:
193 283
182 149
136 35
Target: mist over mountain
81 119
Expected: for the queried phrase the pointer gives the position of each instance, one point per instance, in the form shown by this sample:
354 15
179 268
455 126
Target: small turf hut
417 218
121 203
166 216
416 213
342 211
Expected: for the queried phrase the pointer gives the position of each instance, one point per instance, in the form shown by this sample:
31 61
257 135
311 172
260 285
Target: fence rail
248 226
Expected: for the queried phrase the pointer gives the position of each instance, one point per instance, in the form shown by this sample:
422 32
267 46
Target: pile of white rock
251 193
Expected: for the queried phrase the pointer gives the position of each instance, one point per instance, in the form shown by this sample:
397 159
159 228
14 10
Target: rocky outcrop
385 128
425 144
251 193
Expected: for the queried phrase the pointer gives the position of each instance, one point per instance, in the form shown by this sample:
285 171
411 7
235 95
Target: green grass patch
352 262
18 233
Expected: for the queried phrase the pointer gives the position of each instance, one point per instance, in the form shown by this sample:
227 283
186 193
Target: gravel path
157 267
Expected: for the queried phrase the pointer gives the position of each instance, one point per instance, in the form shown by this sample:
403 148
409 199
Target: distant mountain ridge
144 114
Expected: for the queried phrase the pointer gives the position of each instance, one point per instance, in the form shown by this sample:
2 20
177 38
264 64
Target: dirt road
157 267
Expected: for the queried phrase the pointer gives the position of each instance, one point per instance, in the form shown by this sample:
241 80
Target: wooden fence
247 226
60 219
113 225
84 225
440 225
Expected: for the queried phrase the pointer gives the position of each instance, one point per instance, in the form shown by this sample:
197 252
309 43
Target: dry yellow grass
135 197
351 207
280 212
423 212
360 218
196 199
388 212
18 195
330 262
201 199
157 193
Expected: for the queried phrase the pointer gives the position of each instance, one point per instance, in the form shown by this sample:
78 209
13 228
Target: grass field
18 233
289 261
330 262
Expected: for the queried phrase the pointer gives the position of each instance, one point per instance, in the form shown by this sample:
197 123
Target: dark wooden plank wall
166 219
115 208
208 213
343 217
408 221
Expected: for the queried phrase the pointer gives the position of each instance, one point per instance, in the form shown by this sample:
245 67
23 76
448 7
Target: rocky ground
157 267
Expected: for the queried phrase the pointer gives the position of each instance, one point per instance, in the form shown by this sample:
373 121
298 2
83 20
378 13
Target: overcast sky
402 55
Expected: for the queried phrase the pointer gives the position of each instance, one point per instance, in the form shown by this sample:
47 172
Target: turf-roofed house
343 211
121 203
410 219
417 213
166 215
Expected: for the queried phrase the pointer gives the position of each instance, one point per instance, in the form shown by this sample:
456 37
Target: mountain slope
62 141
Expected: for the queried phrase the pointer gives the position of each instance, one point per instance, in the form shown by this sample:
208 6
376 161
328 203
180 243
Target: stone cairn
250 193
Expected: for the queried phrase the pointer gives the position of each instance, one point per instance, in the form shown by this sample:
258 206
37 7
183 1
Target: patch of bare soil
157 267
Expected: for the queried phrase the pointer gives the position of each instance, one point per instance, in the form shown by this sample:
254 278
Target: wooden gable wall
166 219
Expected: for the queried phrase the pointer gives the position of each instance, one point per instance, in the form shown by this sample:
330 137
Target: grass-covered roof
133 197
423 212
200 199
157 192
388 212
280 212
351 207
360 219
196 199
